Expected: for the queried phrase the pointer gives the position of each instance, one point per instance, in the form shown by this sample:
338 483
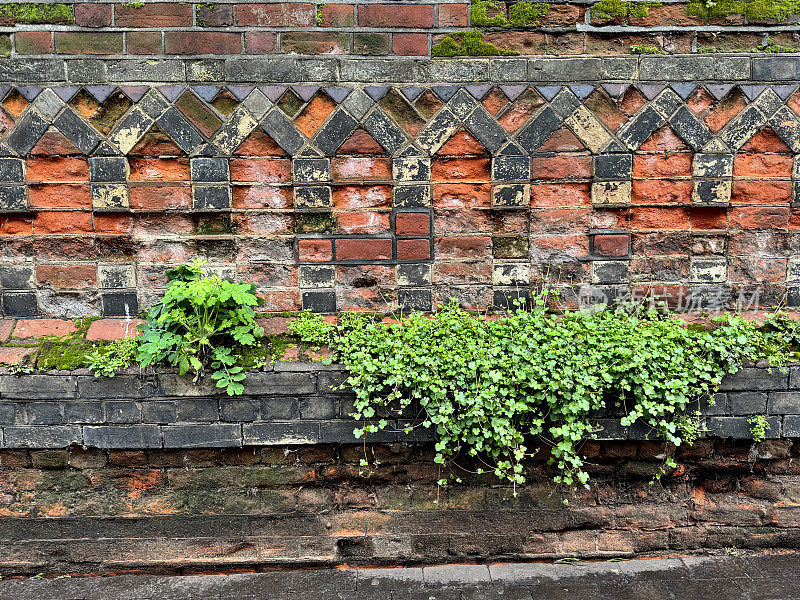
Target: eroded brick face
398 194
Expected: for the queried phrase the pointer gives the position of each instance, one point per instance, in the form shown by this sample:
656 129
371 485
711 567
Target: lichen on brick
26 12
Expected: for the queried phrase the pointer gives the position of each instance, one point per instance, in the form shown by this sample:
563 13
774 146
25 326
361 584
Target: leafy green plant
202 323
108 359
488 387
758 427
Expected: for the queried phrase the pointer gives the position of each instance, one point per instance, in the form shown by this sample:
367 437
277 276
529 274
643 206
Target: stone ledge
283 69
300 406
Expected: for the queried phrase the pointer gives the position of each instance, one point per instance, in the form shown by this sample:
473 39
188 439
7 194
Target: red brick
143 42
453 15
560 194
361 168
315 42
662 165
337 15
758 217
358 196
59 195
659 218
257 42
460 144
315 250
67 276
114 224
159 169
561 167
560 220
766 140
276 325
463 221
214 15
410 44
162 14
762 165
463 247
460 169
6 327
160 197
55 168
36 328
33 42
63 222
761 192
364 249
661 191
14 355
54 143
93 15
202 42
261 196
276 15
611 245
362 222
395 15
419 249
412 223
461 195
113 329
261 170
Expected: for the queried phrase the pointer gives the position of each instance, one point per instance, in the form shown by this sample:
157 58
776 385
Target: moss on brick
469 43
5 45
25 12
64 355
622 9
315 223
645 49
754 10
523 14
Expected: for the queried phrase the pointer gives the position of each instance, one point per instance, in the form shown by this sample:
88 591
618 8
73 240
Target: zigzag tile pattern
363 197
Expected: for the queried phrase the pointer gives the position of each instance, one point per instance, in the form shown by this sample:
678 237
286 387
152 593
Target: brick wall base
79 510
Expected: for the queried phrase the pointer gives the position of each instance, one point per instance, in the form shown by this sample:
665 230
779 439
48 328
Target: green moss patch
19 12
754 10
315 223
65 354
469 43
622 9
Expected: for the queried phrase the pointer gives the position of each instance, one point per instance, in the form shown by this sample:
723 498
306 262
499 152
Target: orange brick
357 196
759 217
761 192
113 329
115 224
261 170
361 168
561 167
159 169
160 197
668 218
460 169
362 222
36 328
364 249
461 195
63 222
55 168
661 191
560 194
762 165
59 195
662 165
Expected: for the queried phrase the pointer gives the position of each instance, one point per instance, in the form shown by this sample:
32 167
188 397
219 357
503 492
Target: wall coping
723 67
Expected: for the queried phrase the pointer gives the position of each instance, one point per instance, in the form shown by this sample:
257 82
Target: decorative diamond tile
198 113
290 103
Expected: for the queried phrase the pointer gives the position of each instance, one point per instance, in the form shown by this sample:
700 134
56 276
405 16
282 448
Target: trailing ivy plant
489 387
202 322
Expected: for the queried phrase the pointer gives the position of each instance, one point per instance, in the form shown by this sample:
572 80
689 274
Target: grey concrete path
754 577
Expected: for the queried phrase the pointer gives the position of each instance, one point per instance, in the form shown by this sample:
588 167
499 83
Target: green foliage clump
26 12
201 323
754 10
622 9
487 387
108 359
645 49
758 428
523 14
469 43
